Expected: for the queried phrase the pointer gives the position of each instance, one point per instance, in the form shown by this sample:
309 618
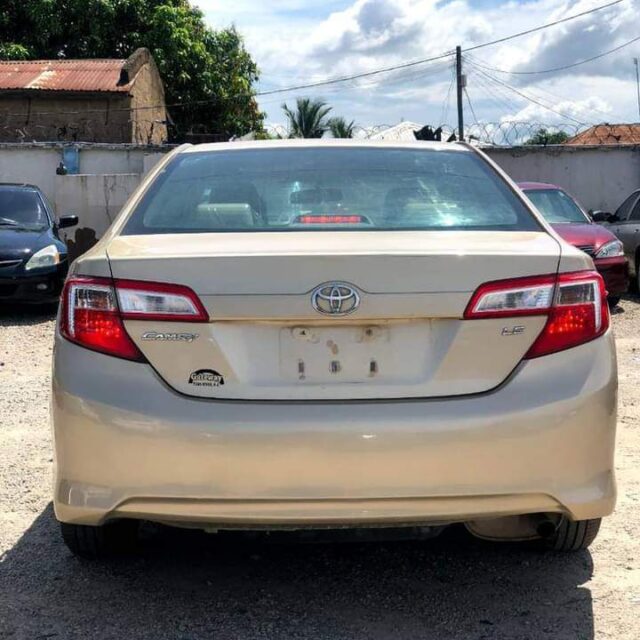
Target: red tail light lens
90 318
580 313
93 310
575 305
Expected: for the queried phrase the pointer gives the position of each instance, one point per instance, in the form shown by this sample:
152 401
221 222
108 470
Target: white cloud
577 111
298 41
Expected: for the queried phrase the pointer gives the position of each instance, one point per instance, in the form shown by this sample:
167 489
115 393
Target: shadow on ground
189 585
15 315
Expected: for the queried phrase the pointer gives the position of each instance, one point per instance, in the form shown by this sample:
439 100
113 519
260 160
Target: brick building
83 100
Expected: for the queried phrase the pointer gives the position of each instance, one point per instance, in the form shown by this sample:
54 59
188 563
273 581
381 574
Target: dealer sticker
206 378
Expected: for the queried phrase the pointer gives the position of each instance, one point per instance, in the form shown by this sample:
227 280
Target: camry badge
169 337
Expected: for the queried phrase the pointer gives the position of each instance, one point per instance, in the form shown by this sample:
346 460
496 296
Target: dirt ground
189 586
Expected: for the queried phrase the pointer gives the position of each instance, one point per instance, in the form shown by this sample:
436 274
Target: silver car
328 335
625 224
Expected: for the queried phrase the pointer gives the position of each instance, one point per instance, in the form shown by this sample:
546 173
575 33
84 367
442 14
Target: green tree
308 119
340 128
544 137
208 75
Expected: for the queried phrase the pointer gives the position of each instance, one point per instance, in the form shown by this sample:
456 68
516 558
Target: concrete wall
96 199
108 176
600 177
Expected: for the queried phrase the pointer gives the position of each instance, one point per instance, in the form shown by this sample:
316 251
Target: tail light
93 310
330 219
575 305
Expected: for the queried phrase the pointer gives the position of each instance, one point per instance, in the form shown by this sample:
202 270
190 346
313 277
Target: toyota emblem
335 299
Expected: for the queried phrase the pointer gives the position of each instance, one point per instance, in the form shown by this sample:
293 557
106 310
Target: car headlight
47 257
611 249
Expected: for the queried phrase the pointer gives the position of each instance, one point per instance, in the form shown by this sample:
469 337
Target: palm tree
309 119
340 128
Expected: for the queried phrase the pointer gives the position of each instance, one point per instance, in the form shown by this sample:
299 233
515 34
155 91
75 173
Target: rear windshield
22 208
556 206
311 189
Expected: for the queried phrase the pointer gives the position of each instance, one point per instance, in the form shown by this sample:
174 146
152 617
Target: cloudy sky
301 41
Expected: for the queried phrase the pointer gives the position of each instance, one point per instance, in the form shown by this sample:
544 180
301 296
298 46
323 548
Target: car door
626 224
630 234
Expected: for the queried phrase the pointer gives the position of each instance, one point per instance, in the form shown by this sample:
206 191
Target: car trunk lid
265 340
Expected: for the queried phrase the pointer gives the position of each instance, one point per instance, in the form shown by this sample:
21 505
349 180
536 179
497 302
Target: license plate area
390 353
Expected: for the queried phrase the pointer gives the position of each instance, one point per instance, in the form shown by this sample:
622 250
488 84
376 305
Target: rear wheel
109 539
573 535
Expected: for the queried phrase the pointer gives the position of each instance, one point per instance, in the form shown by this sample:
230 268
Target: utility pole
635 61
460 84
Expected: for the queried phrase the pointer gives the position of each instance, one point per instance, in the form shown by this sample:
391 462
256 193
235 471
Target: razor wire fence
501 134
152 131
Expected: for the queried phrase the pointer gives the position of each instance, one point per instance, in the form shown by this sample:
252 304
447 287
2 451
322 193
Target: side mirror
603 216
67 221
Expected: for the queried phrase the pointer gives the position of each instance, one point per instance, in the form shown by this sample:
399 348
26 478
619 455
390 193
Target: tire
573 535
613 301
114 538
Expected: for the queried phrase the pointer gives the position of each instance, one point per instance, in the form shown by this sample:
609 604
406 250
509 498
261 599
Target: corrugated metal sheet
62 75
608 134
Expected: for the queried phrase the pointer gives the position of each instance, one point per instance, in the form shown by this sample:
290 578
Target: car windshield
22 208
556 206
311 189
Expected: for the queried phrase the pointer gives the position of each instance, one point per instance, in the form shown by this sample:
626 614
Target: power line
473 113
398 78
347 78
533 100
544 26
355 76
211 101
555 96
438 57
539 89
567 66
445 105
495 93
529 98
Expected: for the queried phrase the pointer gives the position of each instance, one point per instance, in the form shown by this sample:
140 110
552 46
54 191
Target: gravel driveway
191 586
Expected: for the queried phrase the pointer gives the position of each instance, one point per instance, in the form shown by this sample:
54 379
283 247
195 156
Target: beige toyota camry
329 335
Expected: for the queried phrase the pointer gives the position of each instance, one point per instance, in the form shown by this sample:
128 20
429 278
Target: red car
571 222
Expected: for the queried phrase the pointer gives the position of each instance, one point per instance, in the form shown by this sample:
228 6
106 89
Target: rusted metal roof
608 134
63 75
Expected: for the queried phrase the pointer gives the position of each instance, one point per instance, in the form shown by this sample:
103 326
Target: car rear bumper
43 286
615 272
127 446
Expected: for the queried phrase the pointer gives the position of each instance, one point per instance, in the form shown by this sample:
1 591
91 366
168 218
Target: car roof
19 185
535 186
323 142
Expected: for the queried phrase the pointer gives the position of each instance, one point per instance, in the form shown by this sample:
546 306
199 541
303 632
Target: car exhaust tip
546 528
